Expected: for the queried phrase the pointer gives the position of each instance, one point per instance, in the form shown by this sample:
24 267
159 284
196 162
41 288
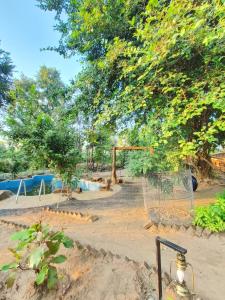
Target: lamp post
181 266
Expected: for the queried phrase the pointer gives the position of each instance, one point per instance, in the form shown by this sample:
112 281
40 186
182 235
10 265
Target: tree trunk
204 166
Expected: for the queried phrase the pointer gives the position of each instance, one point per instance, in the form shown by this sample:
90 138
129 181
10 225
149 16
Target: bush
212 216
143 162
36 250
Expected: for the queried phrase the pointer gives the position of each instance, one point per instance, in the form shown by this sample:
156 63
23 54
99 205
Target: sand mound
88 274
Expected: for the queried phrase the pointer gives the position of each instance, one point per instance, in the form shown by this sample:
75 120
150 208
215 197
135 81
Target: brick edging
79 215
191 229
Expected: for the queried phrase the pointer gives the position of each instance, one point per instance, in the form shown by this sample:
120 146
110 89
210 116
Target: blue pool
33 184
83 184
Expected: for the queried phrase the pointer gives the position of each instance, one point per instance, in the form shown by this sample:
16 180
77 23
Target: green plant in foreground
212 216
37 250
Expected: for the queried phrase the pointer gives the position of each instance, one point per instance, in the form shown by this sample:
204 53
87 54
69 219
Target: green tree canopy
37 122
6 73
155 64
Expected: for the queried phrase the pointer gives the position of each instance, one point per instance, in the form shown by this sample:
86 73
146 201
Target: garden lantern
180 285
181 266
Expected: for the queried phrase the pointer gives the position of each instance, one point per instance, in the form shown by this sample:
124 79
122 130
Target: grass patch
212 216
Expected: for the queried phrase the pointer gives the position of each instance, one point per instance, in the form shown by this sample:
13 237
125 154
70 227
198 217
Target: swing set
126 148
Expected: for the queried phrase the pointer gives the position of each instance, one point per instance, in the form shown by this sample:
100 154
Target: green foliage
6 73
37 122
157 65
212 217
37 250
12 160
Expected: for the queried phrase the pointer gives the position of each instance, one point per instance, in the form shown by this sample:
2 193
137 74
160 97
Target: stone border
78 215
96 253
190 229
108 255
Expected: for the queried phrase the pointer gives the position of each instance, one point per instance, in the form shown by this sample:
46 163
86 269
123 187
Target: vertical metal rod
18 192
24 187
40 189
43 187
171 245
114 179
158 259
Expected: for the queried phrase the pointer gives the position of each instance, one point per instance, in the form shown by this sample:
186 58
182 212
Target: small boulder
5 195
148 225
78 190
198 231
206 233
154 217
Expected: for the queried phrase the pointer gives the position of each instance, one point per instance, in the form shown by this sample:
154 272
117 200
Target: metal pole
114 179
43 186
18 192
158 259
25 189
40 189
171 245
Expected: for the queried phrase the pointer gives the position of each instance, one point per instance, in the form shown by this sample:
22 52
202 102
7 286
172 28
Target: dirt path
120 230
86 275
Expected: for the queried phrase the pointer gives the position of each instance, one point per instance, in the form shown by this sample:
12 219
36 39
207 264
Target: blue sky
24 29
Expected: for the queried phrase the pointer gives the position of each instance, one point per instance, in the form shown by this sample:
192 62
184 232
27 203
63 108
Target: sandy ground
49 199
84 276
97 194
120 230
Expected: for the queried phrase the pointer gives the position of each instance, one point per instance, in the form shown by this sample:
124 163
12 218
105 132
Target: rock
103 252
222 235
79 246
161 226
206 233
154 227
107 185
198 231
109 255
154 217
168 227
89 248
147 265
5 195
78 190
191 230
97 179
183 228
166 278
175 227
148 225
93 218
126 258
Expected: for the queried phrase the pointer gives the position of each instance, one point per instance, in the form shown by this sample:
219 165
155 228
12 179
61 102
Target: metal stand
19 189
171 245
42 186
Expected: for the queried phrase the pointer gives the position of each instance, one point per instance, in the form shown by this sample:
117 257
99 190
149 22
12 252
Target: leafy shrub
37 250
212 216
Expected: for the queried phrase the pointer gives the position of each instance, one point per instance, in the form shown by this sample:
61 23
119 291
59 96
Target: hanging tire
187 184
194 183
